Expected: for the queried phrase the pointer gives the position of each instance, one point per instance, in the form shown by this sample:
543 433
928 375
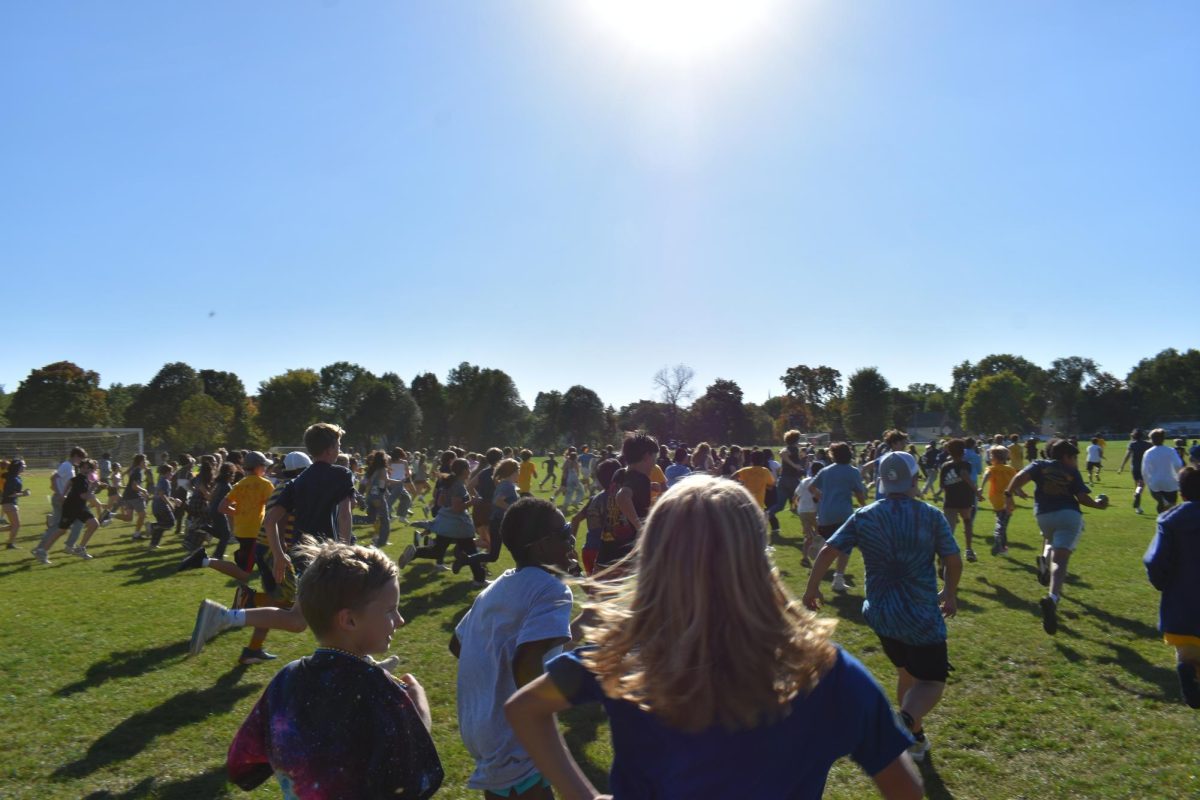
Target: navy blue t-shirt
313 497
1057 486
846 714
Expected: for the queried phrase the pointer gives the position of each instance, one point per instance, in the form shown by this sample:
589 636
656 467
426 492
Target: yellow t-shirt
657 476
249 496
756 480
1001 476
525 476
1016 456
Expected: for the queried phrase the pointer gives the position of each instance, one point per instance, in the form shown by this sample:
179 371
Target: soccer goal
47 447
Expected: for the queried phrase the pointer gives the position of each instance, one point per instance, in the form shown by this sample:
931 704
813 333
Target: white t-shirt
1160 469
522 605
62 477
805 502
398 471
1095 454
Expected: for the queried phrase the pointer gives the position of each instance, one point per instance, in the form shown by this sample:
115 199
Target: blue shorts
521 787
1061 529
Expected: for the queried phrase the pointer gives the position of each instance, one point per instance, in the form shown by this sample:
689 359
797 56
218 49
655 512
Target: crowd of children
672 535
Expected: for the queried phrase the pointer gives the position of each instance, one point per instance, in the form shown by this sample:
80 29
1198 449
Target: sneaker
11 546
996 547
1043 571
105 519
195 560
1138 510
210 620
459 562
920 749
804 562
1189 684
389 664
41 555
138 536
243 596
82 552
839 584
406 557
1049 615
480 584
971 556
69 549
1003 551
258 656
441 567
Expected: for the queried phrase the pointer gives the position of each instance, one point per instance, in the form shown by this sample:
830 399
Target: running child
246 506
515 624
335 724
1173 566
163 506
526 474
996 479
778 705
75 502
959 492
133 500
1095 460
550 464
14 489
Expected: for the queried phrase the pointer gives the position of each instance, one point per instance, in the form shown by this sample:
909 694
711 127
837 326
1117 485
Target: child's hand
417 693
813 601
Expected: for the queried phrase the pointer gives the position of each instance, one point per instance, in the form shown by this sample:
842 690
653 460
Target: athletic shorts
808 517
1093 465
244 556
137 504
1137 474
1061 529
282 592
69 518
1166 498
953 515
829 530
925 662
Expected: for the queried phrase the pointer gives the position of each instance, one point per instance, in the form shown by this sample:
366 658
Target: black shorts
1166 498
1137 474
925 662
825 531
1093 465
72 515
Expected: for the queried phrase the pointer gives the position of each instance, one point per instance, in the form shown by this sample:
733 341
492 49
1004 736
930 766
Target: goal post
47 447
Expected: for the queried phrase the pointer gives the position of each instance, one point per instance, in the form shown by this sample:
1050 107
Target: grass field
100 700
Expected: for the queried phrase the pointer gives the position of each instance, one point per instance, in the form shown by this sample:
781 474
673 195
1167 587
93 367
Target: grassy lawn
100 701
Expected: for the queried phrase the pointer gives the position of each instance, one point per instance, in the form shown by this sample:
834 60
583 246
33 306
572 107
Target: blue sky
410 185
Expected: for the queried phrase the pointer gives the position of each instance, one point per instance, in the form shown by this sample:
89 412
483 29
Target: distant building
925 426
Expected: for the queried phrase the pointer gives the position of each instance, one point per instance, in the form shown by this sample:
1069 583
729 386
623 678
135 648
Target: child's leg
139 523
89 529
968 518
13 514
383 512
232 570
1188 667
436 551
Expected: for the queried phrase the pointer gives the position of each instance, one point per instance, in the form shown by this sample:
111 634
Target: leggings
493 553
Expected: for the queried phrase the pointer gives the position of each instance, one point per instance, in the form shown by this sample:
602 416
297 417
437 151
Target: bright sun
683 29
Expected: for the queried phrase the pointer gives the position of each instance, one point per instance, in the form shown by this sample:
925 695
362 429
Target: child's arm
899 780
1158 559
416 693
344 519
987 476
527 661
531 713
625 503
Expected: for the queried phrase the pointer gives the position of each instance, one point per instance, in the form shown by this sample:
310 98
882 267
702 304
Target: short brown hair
791 437
893 436
339 576
320 437
956 448
840 453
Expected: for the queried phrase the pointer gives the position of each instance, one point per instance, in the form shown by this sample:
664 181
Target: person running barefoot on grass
335 724
776 704
1173 566
1059 492
899 537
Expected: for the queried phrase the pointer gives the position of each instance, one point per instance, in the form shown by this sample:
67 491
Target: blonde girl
716 681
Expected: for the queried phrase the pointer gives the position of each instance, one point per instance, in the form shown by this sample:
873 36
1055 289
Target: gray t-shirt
522 605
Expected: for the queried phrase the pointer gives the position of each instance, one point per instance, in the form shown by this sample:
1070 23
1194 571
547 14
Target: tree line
185 409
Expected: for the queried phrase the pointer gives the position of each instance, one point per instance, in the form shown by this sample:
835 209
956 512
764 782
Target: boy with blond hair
995 481
335 724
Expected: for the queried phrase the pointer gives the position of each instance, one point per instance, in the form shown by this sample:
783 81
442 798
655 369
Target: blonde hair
338 576
509 466
999 453
702 631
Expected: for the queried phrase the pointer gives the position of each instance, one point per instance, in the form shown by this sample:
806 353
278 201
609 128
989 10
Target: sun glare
683 29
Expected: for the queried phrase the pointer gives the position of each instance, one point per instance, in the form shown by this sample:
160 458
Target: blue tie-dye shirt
898 538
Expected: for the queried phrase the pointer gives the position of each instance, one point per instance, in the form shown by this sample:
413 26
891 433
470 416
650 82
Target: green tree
1165 385
545 430
1034 377
868 404
485 407
386 414
996 404
1107 403
5 400
202 425
720 416
814 388
343 387
650 416
224 387
59 395
582 415
157 406
430 395
244 432
288 404
120 397
1065 380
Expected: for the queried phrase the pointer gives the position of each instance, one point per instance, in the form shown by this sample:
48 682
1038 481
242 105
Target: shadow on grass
580 727
849 607
1162 678
449 625
1008 599
1135 626
209 783
935 787
124 664
21 566
136 733
1071 580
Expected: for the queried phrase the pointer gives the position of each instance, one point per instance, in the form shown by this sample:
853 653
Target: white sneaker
442 567
210 620
41 555
839 584
82 552
406 557
919 750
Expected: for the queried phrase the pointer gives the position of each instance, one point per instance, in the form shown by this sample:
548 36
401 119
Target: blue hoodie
1173 566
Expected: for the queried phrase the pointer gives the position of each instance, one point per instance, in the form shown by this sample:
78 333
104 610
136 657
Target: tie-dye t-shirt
333 725
898 538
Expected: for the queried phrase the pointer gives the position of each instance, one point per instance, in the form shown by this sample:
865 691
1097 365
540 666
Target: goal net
47 447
